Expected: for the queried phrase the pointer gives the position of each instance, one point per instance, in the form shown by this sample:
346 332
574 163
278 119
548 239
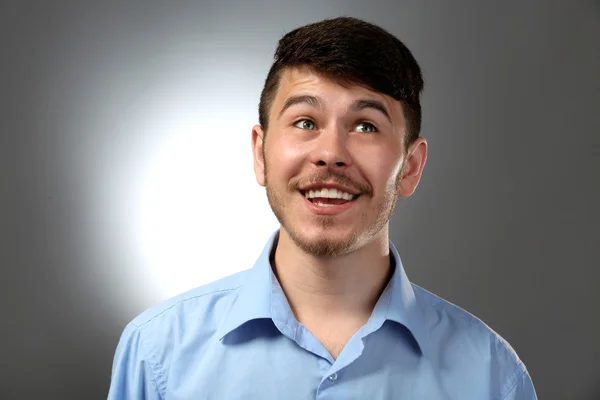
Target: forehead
304 80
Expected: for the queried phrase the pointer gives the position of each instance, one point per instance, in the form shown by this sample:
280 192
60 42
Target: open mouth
328 197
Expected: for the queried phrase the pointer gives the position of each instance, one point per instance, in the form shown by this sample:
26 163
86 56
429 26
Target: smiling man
327 311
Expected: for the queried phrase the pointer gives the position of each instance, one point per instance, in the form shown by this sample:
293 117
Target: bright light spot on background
199 214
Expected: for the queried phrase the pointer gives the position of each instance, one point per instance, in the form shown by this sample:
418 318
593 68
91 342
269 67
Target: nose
331 149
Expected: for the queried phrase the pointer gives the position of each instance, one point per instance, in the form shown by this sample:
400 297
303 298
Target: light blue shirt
237 338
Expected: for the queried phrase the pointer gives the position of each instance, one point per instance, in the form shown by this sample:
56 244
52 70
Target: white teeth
325 205
329 193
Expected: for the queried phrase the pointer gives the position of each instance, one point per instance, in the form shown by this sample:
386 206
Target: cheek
289 149
285 158
382 171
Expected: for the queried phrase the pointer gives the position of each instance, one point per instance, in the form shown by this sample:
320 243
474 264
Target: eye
305 124
366 127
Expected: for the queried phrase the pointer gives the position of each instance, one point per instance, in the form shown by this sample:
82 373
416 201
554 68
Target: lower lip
328 210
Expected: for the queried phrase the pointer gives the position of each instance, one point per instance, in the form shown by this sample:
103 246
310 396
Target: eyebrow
372 104
316 102
312 101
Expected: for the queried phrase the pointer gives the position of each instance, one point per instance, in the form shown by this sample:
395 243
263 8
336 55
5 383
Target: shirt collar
254 297
254 300
403 307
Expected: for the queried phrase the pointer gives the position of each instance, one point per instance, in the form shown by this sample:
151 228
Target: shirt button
332 378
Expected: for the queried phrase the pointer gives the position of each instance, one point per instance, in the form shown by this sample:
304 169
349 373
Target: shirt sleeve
133 377
523 387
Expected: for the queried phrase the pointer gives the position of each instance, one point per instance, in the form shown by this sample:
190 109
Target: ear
413 168
257 151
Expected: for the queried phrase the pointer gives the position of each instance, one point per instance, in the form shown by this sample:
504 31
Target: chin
323 241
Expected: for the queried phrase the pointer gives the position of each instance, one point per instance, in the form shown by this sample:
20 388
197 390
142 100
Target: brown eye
306 124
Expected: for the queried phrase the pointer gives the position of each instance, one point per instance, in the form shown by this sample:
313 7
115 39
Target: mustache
333 177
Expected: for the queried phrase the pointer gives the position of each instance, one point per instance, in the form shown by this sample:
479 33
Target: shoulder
456 324
198 311
464 342
151 341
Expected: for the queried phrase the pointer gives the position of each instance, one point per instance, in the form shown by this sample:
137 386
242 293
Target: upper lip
329 185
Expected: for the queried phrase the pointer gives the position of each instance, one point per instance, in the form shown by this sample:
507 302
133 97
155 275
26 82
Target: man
327 311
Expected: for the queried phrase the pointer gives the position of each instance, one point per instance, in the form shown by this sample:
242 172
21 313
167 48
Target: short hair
350 51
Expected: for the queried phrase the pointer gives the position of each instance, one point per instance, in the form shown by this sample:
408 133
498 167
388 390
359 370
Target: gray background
504 223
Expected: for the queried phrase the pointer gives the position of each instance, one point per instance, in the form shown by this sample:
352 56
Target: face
324 135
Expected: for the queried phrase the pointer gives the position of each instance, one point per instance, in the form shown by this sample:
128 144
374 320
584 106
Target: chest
334 337
275 367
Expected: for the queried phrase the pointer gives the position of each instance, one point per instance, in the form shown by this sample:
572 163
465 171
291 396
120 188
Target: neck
322 289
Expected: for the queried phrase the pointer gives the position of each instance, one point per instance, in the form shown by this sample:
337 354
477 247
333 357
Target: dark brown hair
350 52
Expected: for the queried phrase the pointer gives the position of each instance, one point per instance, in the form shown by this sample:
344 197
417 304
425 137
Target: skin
333 268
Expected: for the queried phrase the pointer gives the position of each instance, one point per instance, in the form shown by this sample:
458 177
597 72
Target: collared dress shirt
237 338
